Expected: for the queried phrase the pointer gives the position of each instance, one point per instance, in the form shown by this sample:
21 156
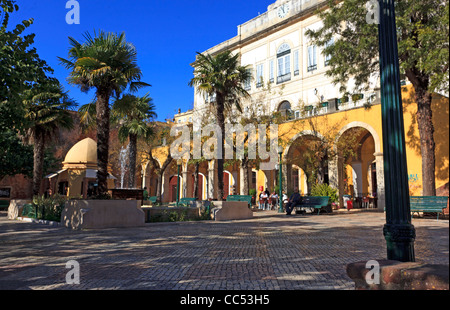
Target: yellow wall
333 124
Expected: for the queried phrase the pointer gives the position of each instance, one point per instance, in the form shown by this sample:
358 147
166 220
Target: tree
221 77
423 46
20 68
133 113
46 110
107 63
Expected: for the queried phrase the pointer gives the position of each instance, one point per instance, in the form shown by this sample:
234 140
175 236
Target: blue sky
167 34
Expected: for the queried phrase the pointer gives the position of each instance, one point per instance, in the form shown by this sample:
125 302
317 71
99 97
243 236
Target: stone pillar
241 180
380 181
211 179
184 187
358 183
333 173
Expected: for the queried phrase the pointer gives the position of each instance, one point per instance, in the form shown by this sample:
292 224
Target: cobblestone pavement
269 252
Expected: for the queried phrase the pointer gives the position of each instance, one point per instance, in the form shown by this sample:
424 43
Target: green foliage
15 157
20 68
252 192
423 30
49 208
325 190
221 76
133 113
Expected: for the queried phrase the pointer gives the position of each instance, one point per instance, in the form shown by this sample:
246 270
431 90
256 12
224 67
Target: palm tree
134 113
46 108
108 64
221 77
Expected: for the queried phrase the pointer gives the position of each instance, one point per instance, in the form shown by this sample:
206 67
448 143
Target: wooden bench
246 198
312 202
428 204
185 202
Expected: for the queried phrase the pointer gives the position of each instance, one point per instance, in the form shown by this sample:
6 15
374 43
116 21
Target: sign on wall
5 192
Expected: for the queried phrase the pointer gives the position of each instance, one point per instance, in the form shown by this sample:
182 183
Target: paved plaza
269 252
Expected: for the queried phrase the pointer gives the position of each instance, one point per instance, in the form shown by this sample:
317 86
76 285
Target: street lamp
398 230
280 178
179 163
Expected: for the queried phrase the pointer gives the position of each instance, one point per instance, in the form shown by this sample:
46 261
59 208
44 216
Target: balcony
312 68
283 78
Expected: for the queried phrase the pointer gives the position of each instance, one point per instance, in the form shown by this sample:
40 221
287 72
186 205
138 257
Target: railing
284 78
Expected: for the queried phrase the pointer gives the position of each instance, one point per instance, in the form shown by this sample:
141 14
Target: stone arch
366 126
300 134
362 170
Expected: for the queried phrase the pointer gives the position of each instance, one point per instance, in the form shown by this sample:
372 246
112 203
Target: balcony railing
284 78
312 68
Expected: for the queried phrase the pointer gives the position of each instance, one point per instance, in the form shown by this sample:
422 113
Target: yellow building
289 78
78 176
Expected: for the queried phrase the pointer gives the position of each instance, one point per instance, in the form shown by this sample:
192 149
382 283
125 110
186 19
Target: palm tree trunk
103 112
133 154
197 165
38 161
244 166
220 105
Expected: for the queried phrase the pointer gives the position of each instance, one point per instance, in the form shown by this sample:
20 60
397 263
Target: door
173 188
226 185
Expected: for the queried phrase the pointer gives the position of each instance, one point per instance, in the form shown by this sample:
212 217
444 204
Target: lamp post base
400 242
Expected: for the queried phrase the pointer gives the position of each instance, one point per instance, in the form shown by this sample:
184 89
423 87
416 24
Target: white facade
274 46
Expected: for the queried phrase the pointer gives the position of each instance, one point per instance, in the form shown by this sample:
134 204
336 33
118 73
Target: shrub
325 190
49 208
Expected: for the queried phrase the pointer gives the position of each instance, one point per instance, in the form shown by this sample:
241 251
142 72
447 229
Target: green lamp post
280 180
179 163
398 230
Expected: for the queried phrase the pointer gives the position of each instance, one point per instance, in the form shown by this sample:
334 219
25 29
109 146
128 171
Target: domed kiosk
78 176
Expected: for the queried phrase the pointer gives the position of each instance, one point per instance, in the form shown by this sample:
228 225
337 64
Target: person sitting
293 201
273 200
263 200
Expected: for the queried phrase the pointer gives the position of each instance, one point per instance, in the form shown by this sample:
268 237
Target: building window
284 63
259 75
296 63
247 83
271 73
328 57
312 58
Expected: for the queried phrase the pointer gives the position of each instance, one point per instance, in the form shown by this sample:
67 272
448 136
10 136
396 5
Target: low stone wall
91 214
231 210
395 275
15 208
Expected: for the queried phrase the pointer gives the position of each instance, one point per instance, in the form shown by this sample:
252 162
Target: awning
52 175
92 174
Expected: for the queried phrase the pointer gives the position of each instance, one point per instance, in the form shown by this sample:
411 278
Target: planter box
89 214
231 210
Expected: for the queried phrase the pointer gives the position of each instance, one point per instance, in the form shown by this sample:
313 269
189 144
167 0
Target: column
398 230
380 181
